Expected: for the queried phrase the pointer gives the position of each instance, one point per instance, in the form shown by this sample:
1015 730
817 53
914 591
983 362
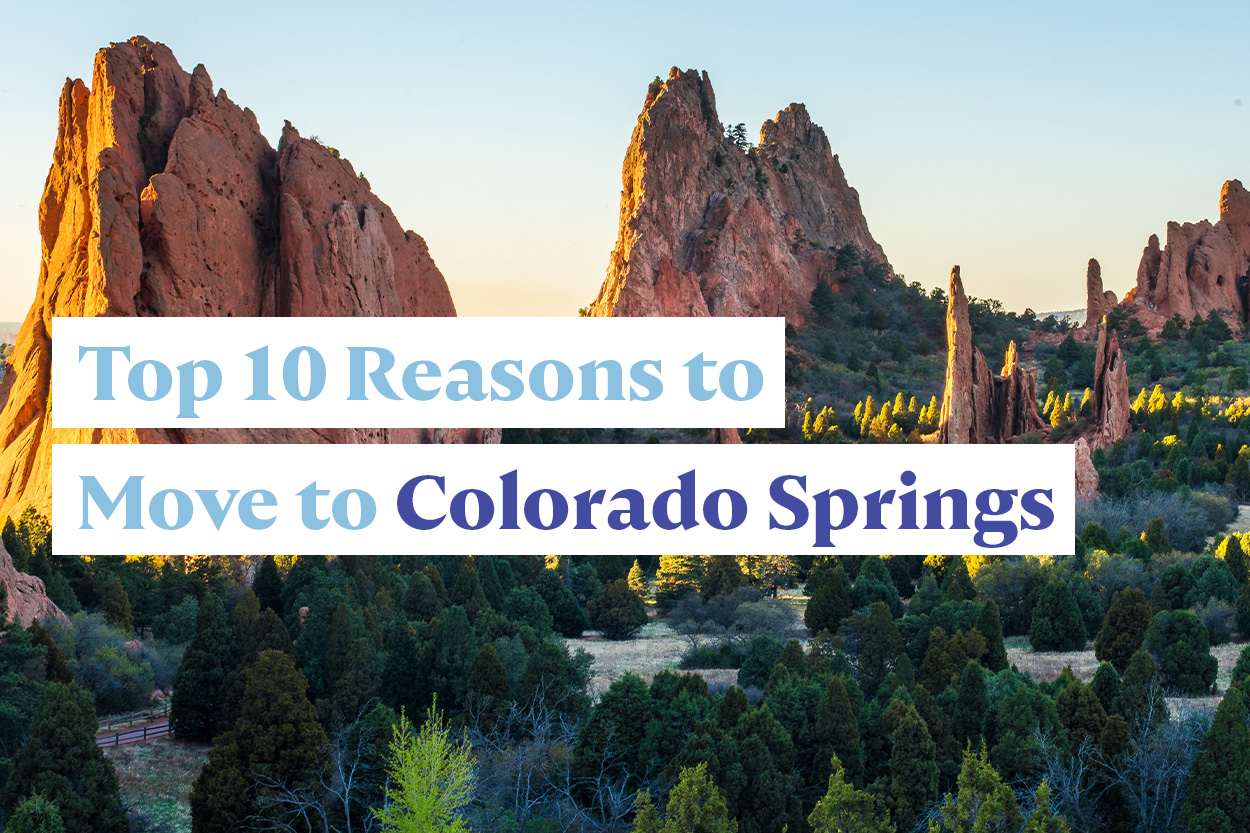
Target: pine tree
677 577
1123 628
430 779
971 706
492 585
638 581
1156 537
55 669
990 626
695 804
116 607
467 592
882 645
489 689
837 734
913 769
608 568
267 585
982 803
1106 685
617 611
1057 623
35 814
732 707
1234 556
646 819
1081 714
844 809
767 797
928 595
1043 819
276 737
420 599
823 300
1220 773
61 762
566 614
1141 695
958 585
1181 646
453 646
875 584
722 576
614 733
830 603
199 683
440 589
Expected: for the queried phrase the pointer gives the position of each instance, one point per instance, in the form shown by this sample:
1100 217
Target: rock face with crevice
165 199
1200 268
708 228
977 405
23 598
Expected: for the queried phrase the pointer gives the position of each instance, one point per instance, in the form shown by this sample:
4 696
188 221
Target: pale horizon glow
1016 142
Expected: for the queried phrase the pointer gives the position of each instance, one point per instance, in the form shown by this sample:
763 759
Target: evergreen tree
277 738
61 762
1123 628
1172 588
1141 695
35 814
958 584
1220 773
732 707
983 802
267 585
453 646
467 592
1179 643
614 733
1106 685
990 626
55 669
430 779
617 611
722 576
1043 818
830 603
566 614
401 685
928 595
881 647
1057 624
116 607
646 819
492 585
696 806
420 599
844 809
199 683
874 584
489 689
1081 714
767 794
837 734
677 577
1156 537
524 606
1234 555
609 568
638 581
823 301
971 705
436 582
913 770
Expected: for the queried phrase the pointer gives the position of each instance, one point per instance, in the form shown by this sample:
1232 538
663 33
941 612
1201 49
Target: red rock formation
726 436
24 597
978 406
708 229
1086 474
164 199
1097 301
1202 267
1112 400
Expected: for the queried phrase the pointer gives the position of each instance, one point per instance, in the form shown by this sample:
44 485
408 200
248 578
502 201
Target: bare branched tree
1074 781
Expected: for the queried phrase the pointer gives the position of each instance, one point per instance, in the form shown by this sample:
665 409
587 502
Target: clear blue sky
1015 141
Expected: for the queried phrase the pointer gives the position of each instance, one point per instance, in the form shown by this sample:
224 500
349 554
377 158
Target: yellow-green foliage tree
431 775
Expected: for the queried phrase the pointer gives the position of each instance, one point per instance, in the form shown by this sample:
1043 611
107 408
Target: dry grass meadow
155 779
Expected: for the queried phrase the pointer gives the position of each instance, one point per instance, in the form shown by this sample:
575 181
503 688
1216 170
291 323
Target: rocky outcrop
978 406
708 228
1202 267
164 199
22 597
726 436
1098 302
1086 474
1112 402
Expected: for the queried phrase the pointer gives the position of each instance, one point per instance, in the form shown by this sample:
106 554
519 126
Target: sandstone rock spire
164 199
24 596
1112 400
1098 302
978 406
710 228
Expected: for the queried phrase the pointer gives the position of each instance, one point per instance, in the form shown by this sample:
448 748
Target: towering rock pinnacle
707 228
978 406
1111 397
1202 267
1097 301
164 199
